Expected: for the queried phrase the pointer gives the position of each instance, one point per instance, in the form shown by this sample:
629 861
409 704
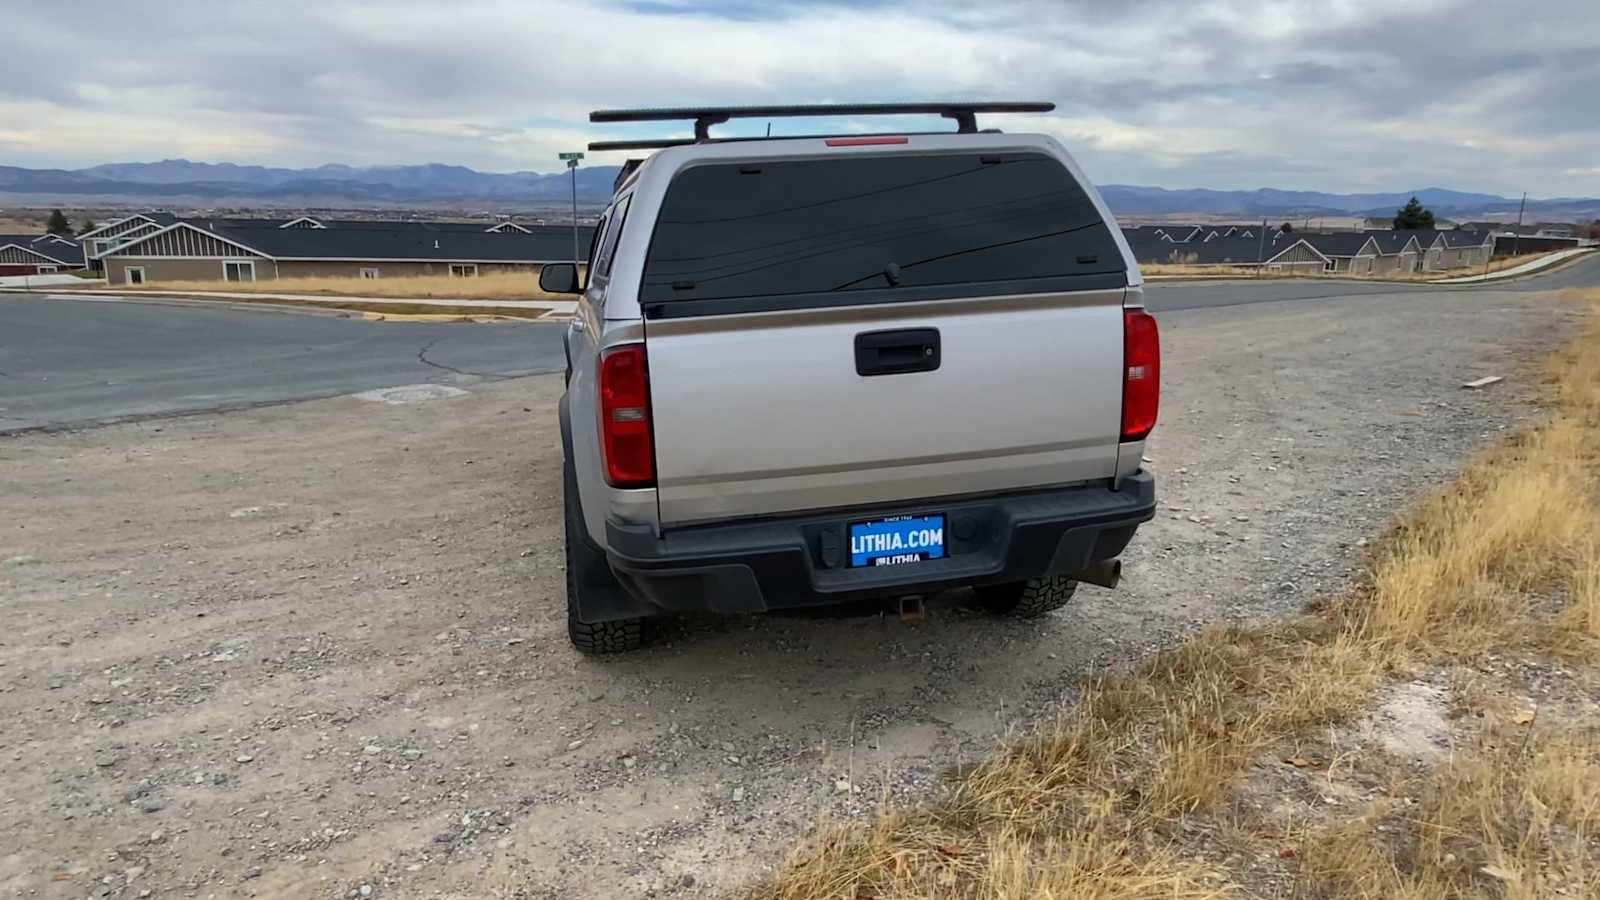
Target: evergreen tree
58 224
1412 216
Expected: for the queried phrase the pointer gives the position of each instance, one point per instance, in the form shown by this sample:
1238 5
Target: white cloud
1327 94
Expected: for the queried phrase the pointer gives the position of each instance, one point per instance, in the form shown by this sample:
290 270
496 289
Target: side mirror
559 278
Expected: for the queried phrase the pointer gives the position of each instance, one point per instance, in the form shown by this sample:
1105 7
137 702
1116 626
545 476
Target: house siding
1299 258
1391 263
159 268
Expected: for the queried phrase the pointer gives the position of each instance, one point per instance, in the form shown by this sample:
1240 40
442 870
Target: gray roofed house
1295 254
1398 251
120 231
1180 233
224 249
1430 248
1218 251
1150 248
1354 252
1227 251
1463 248
38 254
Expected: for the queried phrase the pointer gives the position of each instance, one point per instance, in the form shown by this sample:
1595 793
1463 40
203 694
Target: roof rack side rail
964 114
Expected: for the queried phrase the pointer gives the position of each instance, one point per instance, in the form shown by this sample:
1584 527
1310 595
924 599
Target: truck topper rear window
873 229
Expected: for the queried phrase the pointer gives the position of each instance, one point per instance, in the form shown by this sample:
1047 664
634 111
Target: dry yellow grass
1516 817
1192 271
1088 805
489 286
1465 561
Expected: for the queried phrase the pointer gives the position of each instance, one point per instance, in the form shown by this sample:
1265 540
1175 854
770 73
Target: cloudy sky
1341 95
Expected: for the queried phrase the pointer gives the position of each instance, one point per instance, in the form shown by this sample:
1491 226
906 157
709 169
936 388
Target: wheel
1027 599
588 572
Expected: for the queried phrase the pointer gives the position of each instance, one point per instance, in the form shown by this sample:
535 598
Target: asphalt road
69 363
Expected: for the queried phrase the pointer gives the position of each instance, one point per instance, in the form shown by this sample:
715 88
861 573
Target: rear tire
587 571
1027 599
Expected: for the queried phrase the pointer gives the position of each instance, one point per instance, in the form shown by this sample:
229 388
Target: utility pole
1516 240
571 160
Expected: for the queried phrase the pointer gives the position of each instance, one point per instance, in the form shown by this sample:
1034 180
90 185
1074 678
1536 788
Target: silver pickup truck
809 370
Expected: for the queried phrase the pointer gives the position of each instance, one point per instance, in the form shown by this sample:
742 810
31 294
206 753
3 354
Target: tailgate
767 413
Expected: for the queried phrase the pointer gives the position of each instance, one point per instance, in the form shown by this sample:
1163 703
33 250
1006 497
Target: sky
1336 95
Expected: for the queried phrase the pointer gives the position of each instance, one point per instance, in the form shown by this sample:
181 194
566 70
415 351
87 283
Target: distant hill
1133 199
181 179
178 180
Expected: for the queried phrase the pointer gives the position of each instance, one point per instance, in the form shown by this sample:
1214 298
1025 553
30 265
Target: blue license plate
896 540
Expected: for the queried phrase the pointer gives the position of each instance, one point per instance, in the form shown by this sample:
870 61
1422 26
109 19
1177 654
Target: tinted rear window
889 224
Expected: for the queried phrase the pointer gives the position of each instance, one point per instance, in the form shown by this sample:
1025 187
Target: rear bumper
802 561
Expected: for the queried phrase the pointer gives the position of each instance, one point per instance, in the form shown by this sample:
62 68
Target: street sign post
571 159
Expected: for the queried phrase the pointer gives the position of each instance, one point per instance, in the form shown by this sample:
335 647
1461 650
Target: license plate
896 540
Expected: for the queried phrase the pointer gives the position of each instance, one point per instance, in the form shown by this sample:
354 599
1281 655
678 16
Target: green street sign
570 156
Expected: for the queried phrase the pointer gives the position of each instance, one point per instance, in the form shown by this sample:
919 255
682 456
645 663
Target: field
494 286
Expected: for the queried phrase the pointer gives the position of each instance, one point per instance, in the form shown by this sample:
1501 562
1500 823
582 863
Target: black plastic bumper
802 561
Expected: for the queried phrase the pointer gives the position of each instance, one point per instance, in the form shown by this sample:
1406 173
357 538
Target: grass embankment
1228 767
488 286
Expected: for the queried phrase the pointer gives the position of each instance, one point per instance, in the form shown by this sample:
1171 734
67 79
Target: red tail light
625 432
1141 374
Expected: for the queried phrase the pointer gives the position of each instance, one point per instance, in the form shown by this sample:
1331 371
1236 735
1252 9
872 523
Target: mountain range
181 180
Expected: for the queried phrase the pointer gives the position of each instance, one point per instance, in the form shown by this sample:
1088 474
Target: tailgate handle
897 352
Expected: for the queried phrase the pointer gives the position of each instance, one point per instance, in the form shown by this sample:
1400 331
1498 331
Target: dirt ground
318 650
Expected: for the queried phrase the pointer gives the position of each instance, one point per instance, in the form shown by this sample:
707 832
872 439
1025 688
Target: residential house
1430 248
38 254
1226 251
1180 233
1398 251
1349 252
1150 248
217 250
1465 249
1296 255
120 231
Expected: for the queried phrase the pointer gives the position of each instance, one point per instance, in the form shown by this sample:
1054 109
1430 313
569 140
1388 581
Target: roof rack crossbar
662 143
964 114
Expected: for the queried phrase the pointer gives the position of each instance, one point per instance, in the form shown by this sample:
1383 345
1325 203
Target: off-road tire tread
1028 599
592 638
602 638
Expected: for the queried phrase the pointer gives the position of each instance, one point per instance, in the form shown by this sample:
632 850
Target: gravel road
317 650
